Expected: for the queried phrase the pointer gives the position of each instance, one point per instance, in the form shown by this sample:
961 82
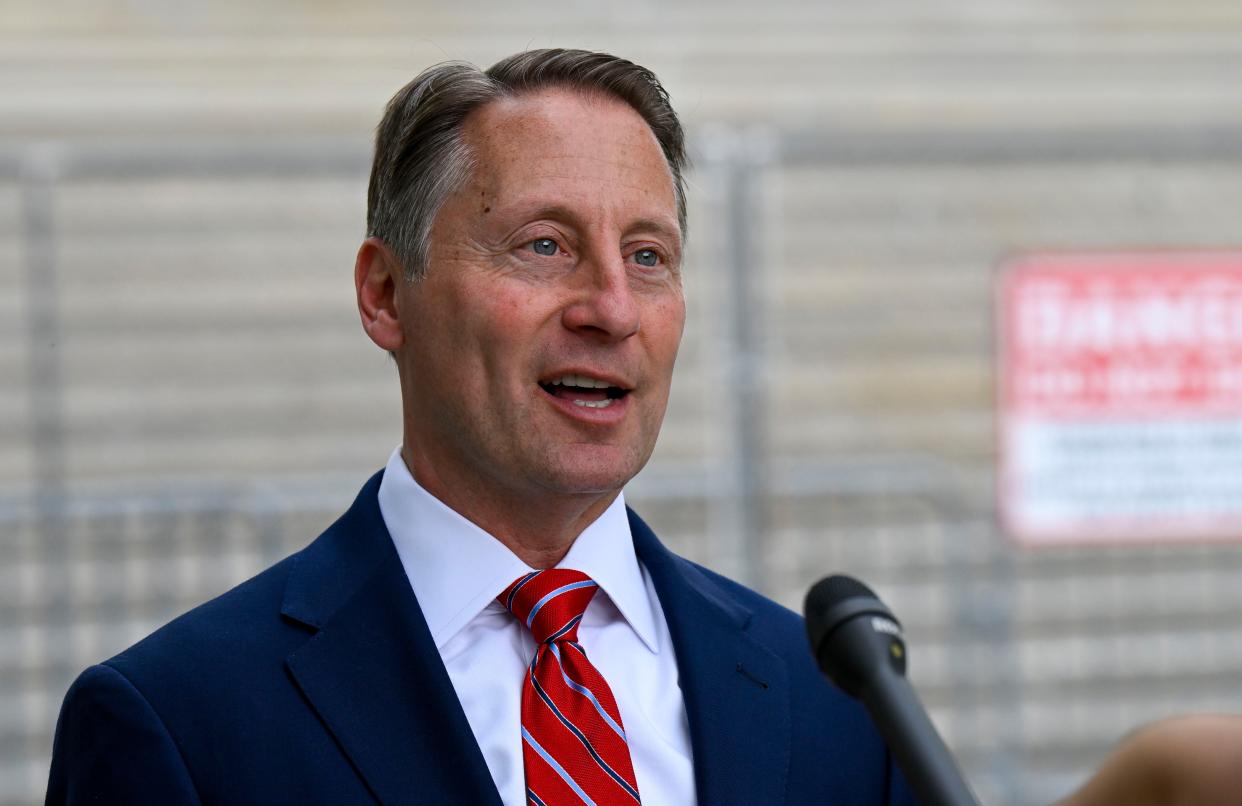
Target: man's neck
538 529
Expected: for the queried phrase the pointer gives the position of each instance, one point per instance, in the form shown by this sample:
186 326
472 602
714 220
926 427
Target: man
523 268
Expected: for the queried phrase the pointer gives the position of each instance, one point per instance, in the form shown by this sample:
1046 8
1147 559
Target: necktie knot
550 603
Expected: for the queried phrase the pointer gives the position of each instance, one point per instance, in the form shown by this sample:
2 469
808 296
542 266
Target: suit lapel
372 672
736 690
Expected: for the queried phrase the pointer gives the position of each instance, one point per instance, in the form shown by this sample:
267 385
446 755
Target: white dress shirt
457 570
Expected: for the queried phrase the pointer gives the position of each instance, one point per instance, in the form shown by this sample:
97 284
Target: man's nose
604 306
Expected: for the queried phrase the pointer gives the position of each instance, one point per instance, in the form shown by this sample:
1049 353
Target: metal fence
832 413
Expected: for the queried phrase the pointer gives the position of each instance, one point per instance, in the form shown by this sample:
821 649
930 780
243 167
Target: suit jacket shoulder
314 682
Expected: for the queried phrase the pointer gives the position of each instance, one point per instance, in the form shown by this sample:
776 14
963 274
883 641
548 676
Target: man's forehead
551 130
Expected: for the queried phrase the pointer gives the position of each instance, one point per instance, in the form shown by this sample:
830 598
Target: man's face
540 346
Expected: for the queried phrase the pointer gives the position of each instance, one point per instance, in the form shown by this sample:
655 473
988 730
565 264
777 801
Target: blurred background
186 394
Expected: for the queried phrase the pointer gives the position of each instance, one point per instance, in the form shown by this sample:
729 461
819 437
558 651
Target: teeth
594 404
581 381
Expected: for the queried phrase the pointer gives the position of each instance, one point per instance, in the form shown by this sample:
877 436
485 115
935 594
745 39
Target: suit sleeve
112 747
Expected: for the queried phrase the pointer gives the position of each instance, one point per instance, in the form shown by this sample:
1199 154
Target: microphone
859 647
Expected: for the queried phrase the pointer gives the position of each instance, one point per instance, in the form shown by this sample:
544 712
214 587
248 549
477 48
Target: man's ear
377 276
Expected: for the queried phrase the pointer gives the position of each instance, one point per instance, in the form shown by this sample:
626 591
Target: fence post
736 159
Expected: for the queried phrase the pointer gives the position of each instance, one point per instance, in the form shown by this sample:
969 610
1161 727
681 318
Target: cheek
495 332
668 324
444 335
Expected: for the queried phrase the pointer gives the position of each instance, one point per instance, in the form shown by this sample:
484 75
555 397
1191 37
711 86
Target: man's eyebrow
560 212
657 226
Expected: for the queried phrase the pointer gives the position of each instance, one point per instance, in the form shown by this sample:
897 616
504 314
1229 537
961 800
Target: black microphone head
853 635
830 590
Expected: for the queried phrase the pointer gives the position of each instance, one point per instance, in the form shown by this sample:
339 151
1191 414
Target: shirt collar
456 569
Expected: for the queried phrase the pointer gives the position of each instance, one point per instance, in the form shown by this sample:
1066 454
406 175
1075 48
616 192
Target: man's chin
593 470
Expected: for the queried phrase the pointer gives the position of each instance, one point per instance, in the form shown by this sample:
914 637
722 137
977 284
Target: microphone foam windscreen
823 597
830 590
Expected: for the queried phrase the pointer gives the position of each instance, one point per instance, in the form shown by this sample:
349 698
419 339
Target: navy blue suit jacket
318 682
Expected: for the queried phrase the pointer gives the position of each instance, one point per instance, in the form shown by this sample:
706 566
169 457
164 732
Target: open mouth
584 391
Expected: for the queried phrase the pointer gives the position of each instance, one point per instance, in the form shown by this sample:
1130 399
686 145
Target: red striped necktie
573 743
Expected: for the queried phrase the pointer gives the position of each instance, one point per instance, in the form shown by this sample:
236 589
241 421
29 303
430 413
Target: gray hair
421 156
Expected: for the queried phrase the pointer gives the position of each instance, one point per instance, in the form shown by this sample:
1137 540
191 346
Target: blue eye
647 258
544 246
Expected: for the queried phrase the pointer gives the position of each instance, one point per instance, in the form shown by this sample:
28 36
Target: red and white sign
1121 396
